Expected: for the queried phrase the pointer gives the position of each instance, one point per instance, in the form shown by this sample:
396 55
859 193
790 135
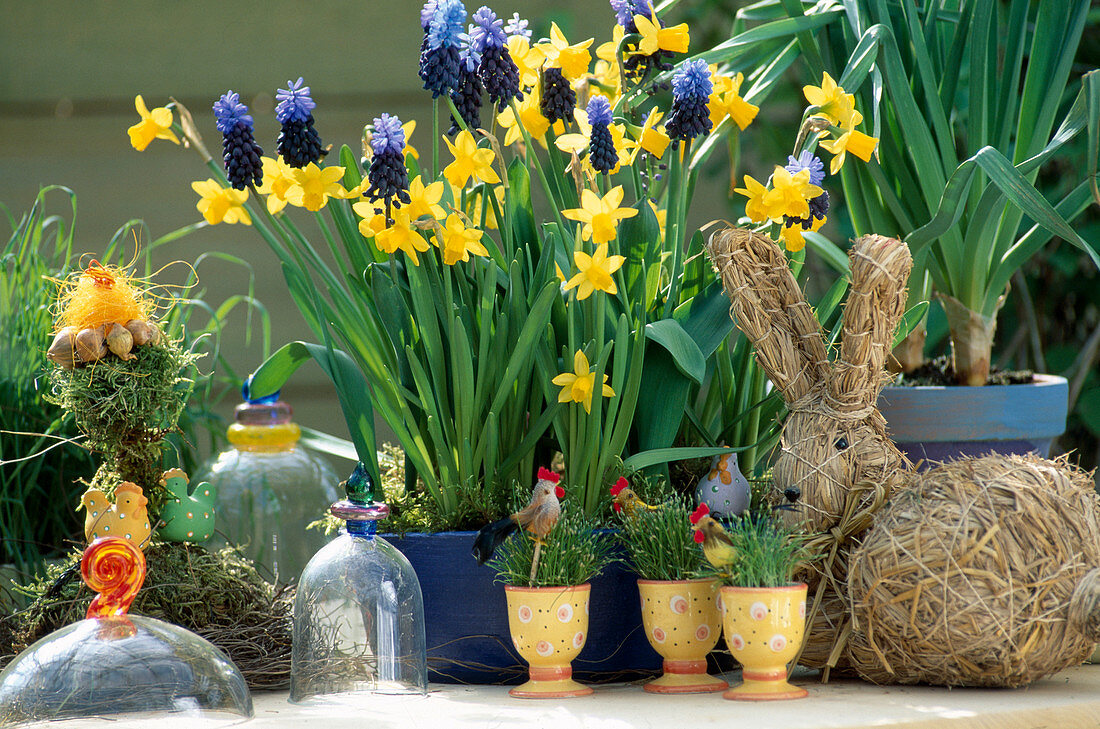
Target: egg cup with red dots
683 624
764 629
549 626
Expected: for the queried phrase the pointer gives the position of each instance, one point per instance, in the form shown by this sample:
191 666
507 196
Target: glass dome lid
121 666
358 610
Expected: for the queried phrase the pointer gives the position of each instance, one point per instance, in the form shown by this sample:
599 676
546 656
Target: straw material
834 448
970 576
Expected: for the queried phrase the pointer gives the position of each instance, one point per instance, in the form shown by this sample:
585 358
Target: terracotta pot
764 629
682 623
549 626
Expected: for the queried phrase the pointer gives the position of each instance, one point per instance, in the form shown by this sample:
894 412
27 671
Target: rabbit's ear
770 309
880 268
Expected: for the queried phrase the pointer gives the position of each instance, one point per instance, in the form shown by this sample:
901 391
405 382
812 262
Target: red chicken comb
545 474
559 492
621 484
699 513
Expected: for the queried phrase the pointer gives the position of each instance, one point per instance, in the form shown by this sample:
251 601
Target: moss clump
125 409
218 595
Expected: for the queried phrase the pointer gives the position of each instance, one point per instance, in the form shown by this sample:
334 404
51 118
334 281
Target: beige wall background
69 72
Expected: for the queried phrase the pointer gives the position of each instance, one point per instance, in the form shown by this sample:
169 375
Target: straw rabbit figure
840 467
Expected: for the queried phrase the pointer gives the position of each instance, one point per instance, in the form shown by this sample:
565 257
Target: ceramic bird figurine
188 515
126 518
717 546
538 517
724 490
626 501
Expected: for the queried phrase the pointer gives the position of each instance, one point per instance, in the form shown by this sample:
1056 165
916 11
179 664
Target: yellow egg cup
683 624
549 626
764 628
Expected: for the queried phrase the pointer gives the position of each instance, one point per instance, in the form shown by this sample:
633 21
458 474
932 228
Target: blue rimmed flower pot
935 423
466 619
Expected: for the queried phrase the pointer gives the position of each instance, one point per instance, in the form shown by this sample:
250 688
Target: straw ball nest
983 572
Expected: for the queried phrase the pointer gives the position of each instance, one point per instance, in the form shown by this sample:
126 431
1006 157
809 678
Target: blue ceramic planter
944 423
467 622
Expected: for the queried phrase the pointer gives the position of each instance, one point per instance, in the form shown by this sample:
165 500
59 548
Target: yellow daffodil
854 141
424 200
573 59
791 194
833 103
791 235
558 272
528 60
655 38
594 272
373 220
469 162
606 73
650 138
155 124
313 186
577 386
457 242
725 100
278 177
221 204
759 205
400 235
600 216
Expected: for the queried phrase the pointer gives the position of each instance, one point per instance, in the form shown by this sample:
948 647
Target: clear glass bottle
358 610
269 489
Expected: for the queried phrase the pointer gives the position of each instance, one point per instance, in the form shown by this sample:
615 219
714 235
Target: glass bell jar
358 611
269 488
125 667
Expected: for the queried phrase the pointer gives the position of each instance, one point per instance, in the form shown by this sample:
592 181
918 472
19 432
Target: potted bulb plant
763 612
679 604
546 568
969 103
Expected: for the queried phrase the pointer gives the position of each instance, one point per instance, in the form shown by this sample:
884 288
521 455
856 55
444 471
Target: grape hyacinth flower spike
467 95
691 89
517 26
439 63
387 174
241 154
559 100
601 147
496 69
298 143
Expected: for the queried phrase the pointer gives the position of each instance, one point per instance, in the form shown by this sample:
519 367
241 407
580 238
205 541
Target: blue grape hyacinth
467 97
298 143
496 69
240 153
559 100
691 88
440 58
389 180
601 147
819 206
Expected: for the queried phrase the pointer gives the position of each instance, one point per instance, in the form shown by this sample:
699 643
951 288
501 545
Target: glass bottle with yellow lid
270 488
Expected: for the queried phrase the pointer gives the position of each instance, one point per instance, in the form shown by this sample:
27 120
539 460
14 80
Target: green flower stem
566 194
457 116
752 429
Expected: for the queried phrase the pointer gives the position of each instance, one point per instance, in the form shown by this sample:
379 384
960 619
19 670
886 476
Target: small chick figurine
188 516
126 518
